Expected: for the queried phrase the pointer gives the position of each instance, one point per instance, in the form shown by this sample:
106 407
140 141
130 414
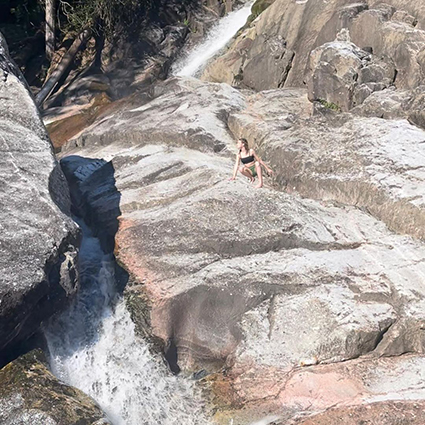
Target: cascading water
93 346
216 39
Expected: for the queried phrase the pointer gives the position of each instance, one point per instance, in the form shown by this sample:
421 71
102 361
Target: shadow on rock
205 328
96 200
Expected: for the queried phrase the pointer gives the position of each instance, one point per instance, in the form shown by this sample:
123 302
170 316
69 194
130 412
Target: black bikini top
247 159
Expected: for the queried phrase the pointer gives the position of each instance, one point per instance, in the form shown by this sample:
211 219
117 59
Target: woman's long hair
245 143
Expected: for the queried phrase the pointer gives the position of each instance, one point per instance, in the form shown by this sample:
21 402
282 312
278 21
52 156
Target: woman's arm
257 158
235 168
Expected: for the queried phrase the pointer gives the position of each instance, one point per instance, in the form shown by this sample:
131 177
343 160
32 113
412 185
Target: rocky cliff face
296 44
302 302
38 242
263 283
365 162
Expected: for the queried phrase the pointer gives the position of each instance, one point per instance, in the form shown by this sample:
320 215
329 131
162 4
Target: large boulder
343 75
392 35
30 394
260 283
38 242
393 104
366 162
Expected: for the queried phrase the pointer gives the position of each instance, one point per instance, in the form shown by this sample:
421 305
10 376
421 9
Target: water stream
216 39
93 346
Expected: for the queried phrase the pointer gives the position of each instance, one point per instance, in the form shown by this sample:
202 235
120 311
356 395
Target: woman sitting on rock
251 163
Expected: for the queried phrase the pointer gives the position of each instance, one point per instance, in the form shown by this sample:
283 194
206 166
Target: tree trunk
62 67
50 28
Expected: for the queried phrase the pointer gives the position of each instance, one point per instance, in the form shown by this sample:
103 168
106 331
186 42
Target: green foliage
258 8
105 16
330 105
25 15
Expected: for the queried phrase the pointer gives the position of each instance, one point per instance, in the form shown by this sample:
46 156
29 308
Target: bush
105 16
330 105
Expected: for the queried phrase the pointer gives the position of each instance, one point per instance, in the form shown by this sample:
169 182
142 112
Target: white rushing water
93 346
217 38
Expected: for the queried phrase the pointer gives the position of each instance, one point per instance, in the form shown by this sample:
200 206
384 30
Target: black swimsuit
247 159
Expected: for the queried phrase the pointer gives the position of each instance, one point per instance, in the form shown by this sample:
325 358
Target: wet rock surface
262 283
38 242
30 394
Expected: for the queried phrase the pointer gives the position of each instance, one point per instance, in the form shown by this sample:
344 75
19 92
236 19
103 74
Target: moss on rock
30 392
258 8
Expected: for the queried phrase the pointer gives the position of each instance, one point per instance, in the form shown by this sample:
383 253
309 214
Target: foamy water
216 39
93 346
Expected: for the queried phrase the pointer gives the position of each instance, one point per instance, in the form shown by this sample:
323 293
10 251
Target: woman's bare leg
245 172
260 174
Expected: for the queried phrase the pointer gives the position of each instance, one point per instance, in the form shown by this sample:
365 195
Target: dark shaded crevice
395 76
270 315
287 69
96 200
366 342
36 340
94 196
382 334
171 356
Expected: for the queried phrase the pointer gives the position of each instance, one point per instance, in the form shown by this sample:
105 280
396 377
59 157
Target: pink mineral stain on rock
318 390
145 280
132 260
253 382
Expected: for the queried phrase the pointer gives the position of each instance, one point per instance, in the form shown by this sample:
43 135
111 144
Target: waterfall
93 346
216 39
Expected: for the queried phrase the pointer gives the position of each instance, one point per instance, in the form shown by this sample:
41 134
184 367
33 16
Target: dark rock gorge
298 303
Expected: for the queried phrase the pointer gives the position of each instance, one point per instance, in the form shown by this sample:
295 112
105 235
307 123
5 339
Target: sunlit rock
38 242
